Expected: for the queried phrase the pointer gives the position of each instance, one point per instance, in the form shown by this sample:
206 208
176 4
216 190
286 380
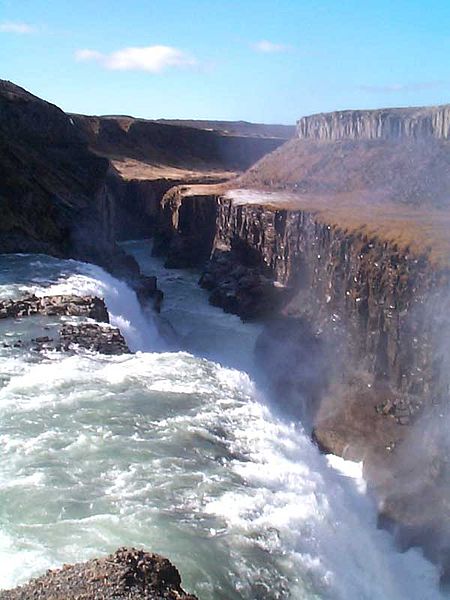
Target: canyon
338 241
335 239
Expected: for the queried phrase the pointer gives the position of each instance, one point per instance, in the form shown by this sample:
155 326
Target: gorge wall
338 242
55 193
386 124
371 294
73 185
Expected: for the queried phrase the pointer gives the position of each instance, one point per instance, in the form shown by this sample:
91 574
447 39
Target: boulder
128 574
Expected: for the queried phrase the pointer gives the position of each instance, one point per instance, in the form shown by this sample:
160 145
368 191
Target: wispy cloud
403 87
153 59
267 47
16 27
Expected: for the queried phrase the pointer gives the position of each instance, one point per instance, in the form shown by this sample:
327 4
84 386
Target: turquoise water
177 451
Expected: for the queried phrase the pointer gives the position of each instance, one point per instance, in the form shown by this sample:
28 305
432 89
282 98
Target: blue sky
257 60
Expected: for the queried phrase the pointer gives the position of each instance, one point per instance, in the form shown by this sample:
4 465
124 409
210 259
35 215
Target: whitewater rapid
179 452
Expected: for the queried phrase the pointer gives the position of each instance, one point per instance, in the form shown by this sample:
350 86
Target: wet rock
128 574
241 289
146 288
91 336
87 306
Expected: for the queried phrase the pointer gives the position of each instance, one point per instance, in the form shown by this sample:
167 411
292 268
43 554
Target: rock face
355 337
128 574
385 124
50 180
371 294
368 292
186 226
149 158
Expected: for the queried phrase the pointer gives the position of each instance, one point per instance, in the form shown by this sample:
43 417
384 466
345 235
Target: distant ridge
243 128
383 123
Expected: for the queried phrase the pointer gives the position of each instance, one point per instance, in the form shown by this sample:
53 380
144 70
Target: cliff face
401 156
355 337
151 157
388 124
51 183
186 225
368 290
72 185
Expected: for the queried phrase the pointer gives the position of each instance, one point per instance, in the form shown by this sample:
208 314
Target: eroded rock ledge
69 305
98 337
128 574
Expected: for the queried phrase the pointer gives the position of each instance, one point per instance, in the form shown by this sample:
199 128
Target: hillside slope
49 176
141 149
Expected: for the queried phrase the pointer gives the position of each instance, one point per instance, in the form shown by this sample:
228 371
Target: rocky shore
128 574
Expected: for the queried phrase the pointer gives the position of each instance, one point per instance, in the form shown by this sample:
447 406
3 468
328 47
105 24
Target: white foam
181 455
123 306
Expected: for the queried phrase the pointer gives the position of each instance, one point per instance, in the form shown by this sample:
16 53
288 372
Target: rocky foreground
128 574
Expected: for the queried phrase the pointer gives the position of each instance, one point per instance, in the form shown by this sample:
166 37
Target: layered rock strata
390 123
355 336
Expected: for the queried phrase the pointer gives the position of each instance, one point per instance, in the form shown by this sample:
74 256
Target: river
177 451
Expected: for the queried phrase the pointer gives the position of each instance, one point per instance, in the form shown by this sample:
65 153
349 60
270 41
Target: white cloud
153 59
16 27
88 55
269 47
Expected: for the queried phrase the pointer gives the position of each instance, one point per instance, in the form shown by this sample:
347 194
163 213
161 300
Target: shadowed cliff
73 185
142 149
49 177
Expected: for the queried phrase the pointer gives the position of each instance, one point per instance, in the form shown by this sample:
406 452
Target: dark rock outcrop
52 187
90 336
128 574
240 284
75 306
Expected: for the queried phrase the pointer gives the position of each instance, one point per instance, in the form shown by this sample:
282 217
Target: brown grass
424 230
